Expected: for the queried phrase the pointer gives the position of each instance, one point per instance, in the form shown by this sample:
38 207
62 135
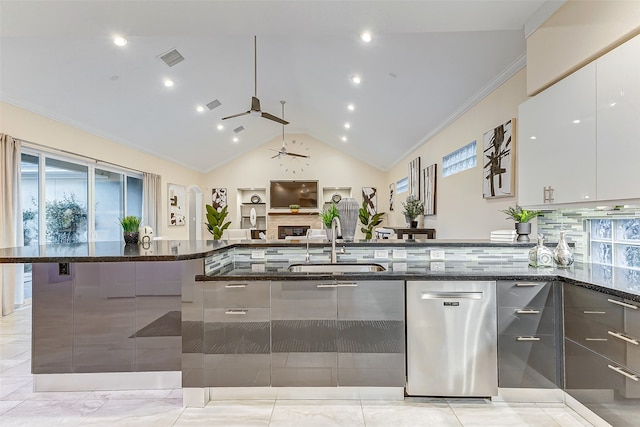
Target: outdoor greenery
520 215
369 221
328 215
413 207
130 224
29 225
215 221
66 218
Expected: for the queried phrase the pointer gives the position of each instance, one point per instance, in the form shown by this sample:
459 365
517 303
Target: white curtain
10 220
151 199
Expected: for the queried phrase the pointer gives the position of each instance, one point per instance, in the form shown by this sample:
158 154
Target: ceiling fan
283 150
255 102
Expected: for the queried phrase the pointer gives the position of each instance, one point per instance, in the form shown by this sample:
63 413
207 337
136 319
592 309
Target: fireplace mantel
283 218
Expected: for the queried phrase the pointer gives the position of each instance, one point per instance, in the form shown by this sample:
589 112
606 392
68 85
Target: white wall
462 212
22 124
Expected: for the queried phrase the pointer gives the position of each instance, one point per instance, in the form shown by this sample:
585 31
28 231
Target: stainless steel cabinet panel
524 294
527 361
370 300
304 300
237 294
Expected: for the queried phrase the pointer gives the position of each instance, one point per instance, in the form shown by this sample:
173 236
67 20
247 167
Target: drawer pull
236 285
594 312
624 304
347 285
623 338
527 284
621 372
236 312
528 311
596 339
326 285
527 338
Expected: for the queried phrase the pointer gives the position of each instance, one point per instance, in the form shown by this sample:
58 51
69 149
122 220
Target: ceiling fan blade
298 155
255 104
237 115
277 155
274 118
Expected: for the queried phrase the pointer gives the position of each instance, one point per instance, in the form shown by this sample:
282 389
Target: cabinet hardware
596 339
594 312
451 295
526 285
623 338
236 312
347 285
236 285
624 304
547 195
326 285
621 372
527 338
528 311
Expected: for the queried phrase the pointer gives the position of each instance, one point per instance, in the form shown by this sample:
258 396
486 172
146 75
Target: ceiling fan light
255 113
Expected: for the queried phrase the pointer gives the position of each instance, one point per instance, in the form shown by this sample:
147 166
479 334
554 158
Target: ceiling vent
239 129
172 57
213 104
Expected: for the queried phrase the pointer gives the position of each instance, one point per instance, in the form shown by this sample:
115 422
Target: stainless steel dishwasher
451 338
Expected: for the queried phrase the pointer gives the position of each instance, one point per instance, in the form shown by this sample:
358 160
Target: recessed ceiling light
235 139
351 107
576 121
220 127
366 36
199 108
168 83
119 41
347 125
343 138
356 79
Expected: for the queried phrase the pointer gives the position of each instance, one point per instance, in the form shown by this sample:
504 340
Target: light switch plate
259 254
380 254
258 268
399 254
399 266
437 266
436 254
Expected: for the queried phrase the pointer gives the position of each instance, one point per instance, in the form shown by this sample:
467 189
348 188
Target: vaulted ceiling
427 61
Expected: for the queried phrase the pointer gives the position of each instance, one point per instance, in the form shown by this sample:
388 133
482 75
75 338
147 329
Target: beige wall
31 127
576 34
462 212
329 166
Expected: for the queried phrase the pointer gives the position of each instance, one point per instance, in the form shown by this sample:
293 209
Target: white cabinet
618 122
557 142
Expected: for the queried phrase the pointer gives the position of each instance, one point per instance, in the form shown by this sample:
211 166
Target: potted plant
413 207
327 217
215 221
130 225
369 221
522 218
294 208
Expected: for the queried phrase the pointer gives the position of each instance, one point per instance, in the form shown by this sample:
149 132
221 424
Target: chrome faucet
307 258
335 224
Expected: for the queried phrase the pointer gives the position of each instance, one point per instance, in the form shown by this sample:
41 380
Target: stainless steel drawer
593 334
527 361
237 314
237 294
527 321
523 294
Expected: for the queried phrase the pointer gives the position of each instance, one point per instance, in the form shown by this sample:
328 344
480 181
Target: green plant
29 228
130 224
215 221
369 221
294 206
328 215
413 207
520 215
65 218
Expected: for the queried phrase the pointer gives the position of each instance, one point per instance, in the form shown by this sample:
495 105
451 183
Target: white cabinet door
557 141
618 129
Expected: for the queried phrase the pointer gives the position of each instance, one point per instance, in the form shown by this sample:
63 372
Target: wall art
392 190
218 198
428 185
414 177
498 170
177 196
370 198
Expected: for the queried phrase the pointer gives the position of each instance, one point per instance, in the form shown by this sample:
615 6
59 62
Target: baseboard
108 381
528 395
585 412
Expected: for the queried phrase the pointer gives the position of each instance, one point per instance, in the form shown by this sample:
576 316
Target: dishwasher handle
451 295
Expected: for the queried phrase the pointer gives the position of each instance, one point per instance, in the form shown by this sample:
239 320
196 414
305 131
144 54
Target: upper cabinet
557 142
618 128
579 140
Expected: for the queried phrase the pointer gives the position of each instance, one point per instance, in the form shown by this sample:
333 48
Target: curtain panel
151 200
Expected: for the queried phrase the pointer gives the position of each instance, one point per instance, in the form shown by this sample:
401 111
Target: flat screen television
285 193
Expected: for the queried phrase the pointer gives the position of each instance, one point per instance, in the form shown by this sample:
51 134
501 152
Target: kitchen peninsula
218 318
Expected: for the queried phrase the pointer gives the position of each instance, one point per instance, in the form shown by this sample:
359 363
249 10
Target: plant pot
414 224
294 210
523 229
130 238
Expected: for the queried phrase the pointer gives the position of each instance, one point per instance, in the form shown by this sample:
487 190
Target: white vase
348 209
562 255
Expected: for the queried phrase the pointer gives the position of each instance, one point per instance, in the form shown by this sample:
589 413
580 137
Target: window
616 243
402 185
460 160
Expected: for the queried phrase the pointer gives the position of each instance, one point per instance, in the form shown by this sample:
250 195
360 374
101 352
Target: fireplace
292 230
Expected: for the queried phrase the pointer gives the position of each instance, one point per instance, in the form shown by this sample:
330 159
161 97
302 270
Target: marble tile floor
20 406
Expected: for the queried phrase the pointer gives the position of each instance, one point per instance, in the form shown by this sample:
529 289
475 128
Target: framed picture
218 198
370 198
498 170
177 196
392 190
429 189
414 177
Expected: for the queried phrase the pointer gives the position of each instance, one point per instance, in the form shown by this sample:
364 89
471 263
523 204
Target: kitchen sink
336 268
